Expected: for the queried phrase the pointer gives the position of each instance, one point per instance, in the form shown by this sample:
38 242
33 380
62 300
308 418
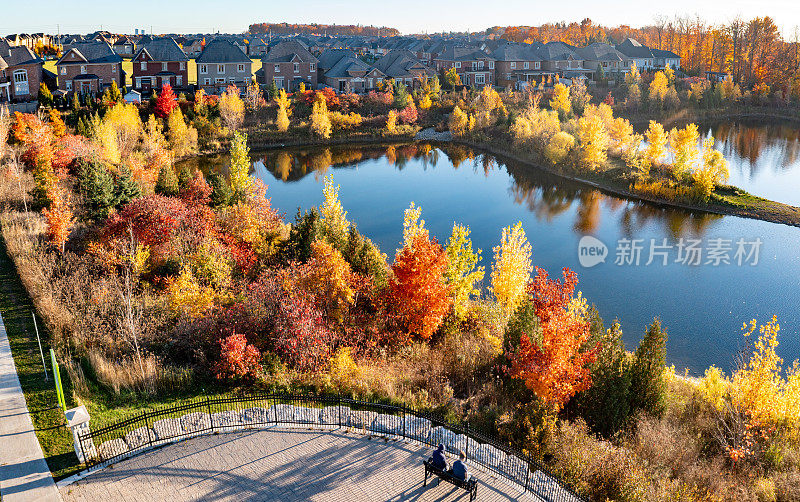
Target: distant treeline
330 29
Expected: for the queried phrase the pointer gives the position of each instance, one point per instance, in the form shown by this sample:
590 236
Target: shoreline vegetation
158 283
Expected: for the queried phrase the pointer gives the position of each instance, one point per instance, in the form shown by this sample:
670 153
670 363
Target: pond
702 305
763 158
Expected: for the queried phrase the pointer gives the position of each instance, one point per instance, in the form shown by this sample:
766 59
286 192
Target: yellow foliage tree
559 147
334 217
231 108
187 297
329 277
459 122
561 102
512 267
282 120
658 87
593 142
182 138
684 148
462 271
657 140
713 170
320 121
391 122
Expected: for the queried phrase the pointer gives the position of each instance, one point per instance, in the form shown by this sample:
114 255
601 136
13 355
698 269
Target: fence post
150 433
527 471
339 408
210 419
466 441
404 420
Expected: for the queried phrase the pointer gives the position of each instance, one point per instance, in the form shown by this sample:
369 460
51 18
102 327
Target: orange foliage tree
59 218
553 365
418 291
238 358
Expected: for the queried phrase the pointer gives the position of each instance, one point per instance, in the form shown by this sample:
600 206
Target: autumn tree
593 142
167 183
683 143
333 223
238 359
451 79
560 101
239 171
512 267
182 137
56 123
658 88
391 122
459 122
320 121
282 120
657 140
463 272
59 218
555 364
713 170
166 102
231 108
284 110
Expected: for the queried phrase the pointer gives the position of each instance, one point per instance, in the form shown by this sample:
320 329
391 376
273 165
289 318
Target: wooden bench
471 486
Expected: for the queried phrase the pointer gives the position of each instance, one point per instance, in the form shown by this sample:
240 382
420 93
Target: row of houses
358 64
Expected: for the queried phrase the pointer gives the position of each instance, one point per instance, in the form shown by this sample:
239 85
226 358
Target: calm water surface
703 307
764 159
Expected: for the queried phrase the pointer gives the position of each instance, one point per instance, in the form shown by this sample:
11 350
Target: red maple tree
166 102
418 293
554 366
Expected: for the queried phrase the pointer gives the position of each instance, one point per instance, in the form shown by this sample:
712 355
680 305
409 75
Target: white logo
591 251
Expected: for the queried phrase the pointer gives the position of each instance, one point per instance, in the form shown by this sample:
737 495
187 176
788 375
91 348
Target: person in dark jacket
459 469
437 459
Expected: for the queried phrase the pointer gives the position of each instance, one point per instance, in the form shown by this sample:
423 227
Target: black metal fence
206 415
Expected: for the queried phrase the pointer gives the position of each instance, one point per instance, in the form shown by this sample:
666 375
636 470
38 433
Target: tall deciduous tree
239 171
463 272
166 102
560 101
231 108
512 267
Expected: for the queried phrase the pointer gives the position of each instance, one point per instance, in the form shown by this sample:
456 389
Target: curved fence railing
200 416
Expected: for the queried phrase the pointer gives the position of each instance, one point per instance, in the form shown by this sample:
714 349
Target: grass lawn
127 67
16 308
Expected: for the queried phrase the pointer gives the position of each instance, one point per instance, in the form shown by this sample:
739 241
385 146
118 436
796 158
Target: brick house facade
473 66
159 63
20 73
89 68
287 65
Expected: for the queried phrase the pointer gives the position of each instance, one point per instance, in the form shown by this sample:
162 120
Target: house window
513 65
69 85
21 82
297 67
605 64
83 69
63 70
143 65
313 67
474 65
183 65
231 80
179 80
221 68
219 80
491 65
277 68
537 65
240 68
113 68
526 65
163 66
278 82
203 68
206 81
458 64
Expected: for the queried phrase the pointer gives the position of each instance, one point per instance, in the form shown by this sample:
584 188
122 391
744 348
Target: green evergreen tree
97 185
221 192
167 183
400 95
648 385
185 175
303 233
126 188
76 105
45 97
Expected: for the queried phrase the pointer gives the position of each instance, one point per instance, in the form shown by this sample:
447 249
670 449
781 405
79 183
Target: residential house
403 66
665 59
601 59
258 47
287 64
348 73
159 63
474 66
20 73
222 64
193 47
124 46
89 67
559 58
517 63
637 53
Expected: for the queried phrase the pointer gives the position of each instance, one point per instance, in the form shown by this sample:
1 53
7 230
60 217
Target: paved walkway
24 475
280 465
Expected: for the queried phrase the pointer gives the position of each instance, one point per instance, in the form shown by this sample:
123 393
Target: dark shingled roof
599 52
399 63
163 49
559 51
346 65
330 57
659 53
633 49
92 52
463 53
517 52
222 51
286 51
14 55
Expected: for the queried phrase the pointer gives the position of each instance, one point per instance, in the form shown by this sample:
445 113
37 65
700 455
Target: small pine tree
185 175
648 386
97 185
221 192
45 97
167 183
126 188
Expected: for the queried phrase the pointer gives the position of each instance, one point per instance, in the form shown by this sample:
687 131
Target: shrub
238 359
559 147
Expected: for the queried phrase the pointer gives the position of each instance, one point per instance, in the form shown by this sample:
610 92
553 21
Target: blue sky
410 16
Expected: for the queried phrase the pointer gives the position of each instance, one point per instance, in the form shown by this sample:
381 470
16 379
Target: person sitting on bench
438 460
459 468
